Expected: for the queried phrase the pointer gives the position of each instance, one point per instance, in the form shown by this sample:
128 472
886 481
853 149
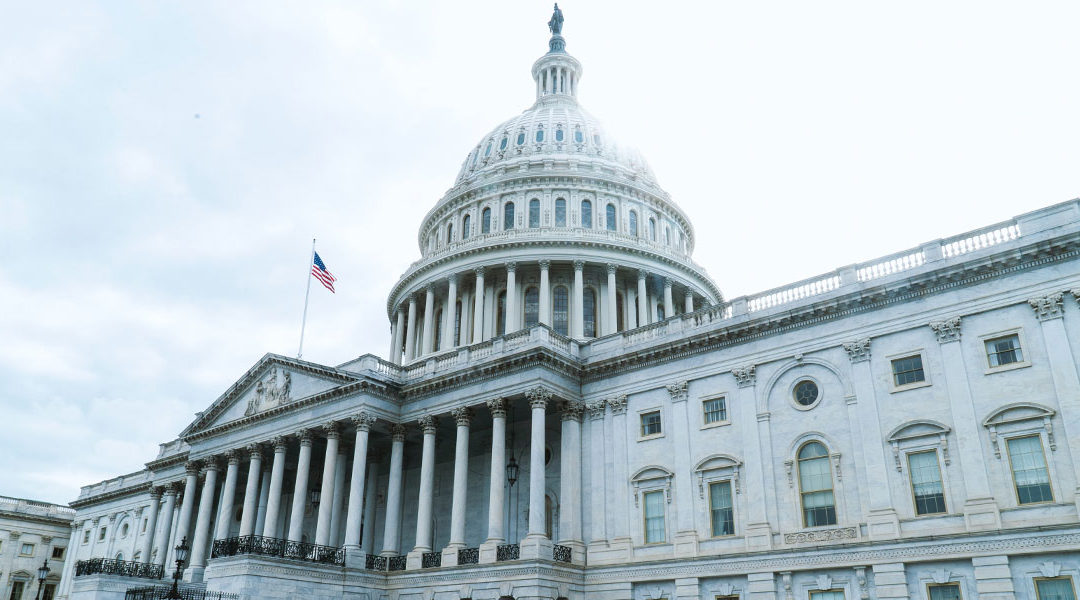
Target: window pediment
1020 416
718 466
650 478
919 432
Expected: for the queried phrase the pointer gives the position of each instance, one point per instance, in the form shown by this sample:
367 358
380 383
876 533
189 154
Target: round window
806 393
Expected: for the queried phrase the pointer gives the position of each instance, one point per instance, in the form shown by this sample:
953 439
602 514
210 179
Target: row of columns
555 80
423 343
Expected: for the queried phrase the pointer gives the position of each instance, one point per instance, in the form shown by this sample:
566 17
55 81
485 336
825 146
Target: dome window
485 221
534 213
610 217
450 233
578 136
560 312
652 229
532 307
596 139
560 212
633 223
487 151
465 227
508 215
540 134
502 144
588 302
521 138
559 135
586 214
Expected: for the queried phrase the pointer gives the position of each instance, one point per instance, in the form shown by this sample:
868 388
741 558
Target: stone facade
571 409
32 534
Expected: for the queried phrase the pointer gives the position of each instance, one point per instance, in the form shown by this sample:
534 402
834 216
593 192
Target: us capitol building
571 409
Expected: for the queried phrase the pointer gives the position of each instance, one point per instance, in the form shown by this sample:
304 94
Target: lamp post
42 573
181 556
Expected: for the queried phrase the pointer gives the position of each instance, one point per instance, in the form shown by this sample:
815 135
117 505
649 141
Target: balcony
265 546
124 568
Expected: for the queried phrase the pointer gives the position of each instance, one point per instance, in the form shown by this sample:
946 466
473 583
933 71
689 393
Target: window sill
910 386
654 436
715 424
1008 367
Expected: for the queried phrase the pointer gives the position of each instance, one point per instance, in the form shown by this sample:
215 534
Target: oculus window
806 393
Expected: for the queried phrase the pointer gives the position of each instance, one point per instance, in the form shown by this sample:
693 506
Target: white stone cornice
1048 307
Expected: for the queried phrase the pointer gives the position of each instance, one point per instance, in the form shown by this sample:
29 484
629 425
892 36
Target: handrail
266 546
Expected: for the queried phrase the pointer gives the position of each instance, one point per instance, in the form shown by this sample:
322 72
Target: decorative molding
678 391
397 432
497 406
269 393
745 376
332 430
1076 294
306 436
233 456
596 409
462 416
192 467
363 421
280 443
427 424
612 268
821 535
572 410
538 397
858 350
511 266
947 330
617 404
545 264
860 580
823 582
1020 412
1050 568
1048 307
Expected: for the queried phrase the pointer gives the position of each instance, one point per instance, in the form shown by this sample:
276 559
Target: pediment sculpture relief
270 393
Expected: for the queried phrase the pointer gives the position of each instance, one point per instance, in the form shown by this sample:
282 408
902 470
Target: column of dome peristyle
556 73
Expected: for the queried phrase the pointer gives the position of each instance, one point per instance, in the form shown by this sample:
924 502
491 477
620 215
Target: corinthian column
511 297
478 308
611 311
183 524
669 304
202 524
299 499
151 525
391 528
689 303
642 299
251 491
545 293
277 478
578 330
426 496
363 422
326 494
450 315
536 543
429 320
410 333
570 480
166 526
399 330
228 495
461 479
496 481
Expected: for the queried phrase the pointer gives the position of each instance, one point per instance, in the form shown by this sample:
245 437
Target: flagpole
303 321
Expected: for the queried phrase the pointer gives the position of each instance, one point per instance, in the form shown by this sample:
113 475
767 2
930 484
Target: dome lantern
556 73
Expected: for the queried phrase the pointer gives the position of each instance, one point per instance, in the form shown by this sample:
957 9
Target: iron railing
507 552
375 562
468 556
125 568
431 560
162 593
265 546
395 563
561 553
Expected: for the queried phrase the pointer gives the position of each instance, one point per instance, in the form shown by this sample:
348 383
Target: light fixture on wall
314 496
512 471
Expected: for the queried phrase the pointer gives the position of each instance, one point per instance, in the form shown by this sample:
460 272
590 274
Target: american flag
318 269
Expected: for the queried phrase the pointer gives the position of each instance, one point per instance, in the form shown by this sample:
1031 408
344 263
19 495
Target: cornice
512 363
39 519
169 461
135 490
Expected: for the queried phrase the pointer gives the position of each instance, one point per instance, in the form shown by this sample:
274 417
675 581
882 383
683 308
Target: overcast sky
164 166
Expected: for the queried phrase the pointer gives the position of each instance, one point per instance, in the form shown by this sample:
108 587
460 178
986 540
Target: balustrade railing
561 553
123 568
374 562
396 563
163 593
468 556
266 546
431 560
507 552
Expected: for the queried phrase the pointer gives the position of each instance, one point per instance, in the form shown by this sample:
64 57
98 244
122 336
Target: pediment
1019 411
917 429
717 461
652 472
270 385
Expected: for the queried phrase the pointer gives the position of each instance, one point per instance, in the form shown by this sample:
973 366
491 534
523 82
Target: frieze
822 535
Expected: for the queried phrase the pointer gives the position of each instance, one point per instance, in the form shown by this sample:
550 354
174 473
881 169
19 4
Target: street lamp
181 556
42 573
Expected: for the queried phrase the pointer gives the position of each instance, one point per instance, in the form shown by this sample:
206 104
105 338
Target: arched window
559 134
578 136
660 312
560 212
610 217
596 139
487 151
457 324
561 310
586 214
485 221
521 137
539 134
534 213
500 314
450 233
438 330
508 215
667 235
466 227
652 229
633 223
502 144
815 486
532 307
588 303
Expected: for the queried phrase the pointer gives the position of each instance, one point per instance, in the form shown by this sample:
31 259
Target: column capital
175 488
572 411
462 415
858 350
332 430
363 421
538 397
192 467
497 406
233 456
479 271
678 391
745 376
612 268
280 443
427 424
412 298
156 492
617 404
254 451
579 265
211 464
452 279
667 283
1048 307
689 293
545 264
397 432
642 274
596 409
511 266
429 288
947 330
1076 294
306 437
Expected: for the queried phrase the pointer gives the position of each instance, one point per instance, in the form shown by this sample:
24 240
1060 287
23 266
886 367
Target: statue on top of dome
555 24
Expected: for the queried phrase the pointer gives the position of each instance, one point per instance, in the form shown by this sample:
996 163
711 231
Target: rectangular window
1004 350
57 552
827 595
86 537
926 485
723 518
715 410
650 423
27 550
101 535
733 597
50 592
654 517
946 591
1055 588
1029 470
17 590
908 370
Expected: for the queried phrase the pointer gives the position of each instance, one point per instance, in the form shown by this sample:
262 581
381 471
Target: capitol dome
550 221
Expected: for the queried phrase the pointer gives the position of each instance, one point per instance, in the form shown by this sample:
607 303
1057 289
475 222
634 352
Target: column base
415 558
759 536
489 551
981 514
355 558
686 543
449 555
535 547
194 574
883 524
577 550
